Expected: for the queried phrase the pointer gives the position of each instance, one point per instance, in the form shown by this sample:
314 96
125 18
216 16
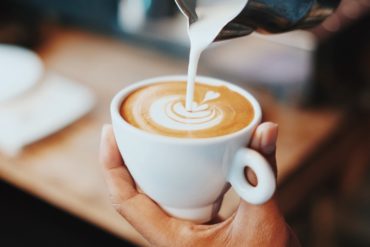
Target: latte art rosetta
170 112
160 108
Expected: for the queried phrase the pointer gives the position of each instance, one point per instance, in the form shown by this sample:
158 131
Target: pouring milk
212 17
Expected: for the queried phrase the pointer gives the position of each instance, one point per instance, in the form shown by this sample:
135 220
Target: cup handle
266 186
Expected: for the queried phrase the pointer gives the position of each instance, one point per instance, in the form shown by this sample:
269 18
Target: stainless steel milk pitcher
269 16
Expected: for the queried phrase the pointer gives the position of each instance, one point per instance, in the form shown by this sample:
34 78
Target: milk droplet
210 95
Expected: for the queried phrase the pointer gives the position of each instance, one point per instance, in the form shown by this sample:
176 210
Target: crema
161 109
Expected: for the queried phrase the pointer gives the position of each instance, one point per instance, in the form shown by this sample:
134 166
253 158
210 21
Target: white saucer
20 69
56 103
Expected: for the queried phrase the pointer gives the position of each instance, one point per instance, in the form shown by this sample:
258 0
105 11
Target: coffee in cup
160 109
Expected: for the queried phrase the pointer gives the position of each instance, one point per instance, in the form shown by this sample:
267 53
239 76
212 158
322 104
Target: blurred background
61 62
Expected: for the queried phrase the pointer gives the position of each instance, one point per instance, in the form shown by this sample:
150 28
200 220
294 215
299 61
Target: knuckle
117 207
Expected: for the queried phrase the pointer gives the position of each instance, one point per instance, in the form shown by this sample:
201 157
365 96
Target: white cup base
196 215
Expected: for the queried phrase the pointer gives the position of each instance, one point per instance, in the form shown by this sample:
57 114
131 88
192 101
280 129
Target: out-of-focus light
132 14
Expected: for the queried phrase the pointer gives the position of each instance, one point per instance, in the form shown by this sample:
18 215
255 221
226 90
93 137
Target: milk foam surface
160 108
170 112
212 17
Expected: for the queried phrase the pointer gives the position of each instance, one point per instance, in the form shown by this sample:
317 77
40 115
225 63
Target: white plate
20 69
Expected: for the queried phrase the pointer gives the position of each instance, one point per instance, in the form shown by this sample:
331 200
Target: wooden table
63 169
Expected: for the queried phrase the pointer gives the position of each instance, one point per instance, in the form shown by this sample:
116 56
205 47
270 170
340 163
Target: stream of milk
213 15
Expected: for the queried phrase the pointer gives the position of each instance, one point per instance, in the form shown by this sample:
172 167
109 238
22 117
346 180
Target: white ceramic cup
188 177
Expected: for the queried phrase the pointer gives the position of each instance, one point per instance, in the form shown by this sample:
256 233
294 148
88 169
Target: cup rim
123 93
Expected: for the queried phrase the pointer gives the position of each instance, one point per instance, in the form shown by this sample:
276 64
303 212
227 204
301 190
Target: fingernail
104 130
269 138
256 142
103 142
